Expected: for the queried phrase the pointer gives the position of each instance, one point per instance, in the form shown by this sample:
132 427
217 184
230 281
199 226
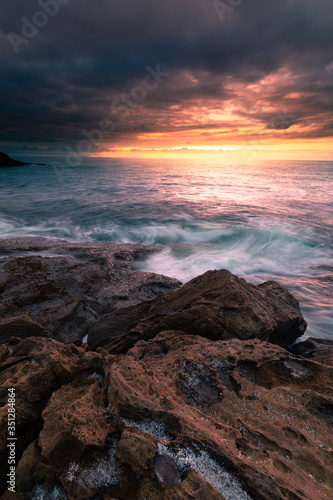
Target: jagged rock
217 305
32 469
269 420
36 368
21 327
66 287
74 421
4 353
137 449
320 350
178 417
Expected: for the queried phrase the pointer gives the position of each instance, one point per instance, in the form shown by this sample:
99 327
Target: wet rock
320 350
264 433
166 470
217 305
66 287
95 473
4 353
21 327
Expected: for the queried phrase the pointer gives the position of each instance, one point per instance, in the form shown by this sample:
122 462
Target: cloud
268 64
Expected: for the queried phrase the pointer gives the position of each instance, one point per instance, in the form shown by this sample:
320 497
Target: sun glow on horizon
293 150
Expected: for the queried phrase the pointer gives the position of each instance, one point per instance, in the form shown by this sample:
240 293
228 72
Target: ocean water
261 220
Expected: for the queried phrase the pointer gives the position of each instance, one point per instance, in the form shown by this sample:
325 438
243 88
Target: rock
22 327
178 417
94 475
7 161
32 470
217 305
193 486
36 368
268 424
74 421
320 350
137 449
166 470
66 287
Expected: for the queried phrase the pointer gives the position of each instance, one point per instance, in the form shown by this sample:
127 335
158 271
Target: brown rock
22 327
192 487
217 305
74 421
8 495
4 353
257 412
36 368
32 470
234 419
94 473
136 449
70 288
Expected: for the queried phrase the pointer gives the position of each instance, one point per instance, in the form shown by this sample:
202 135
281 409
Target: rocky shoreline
182 392
60 289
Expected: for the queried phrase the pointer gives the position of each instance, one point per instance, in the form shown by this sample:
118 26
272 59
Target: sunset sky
176 77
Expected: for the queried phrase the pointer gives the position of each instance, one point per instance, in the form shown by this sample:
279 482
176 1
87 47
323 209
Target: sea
262 220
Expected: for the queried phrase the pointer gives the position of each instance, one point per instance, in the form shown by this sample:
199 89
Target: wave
260 246
295 255
244 251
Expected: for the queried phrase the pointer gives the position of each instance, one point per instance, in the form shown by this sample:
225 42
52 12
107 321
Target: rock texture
178 417
191 398
64 287
217 305
20 326
320 350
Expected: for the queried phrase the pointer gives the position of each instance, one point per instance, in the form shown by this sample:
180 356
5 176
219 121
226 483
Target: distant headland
7 161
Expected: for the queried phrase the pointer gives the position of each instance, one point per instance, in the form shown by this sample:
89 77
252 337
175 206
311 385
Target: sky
167 78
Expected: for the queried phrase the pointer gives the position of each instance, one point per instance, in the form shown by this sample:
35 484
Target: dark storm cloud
65 78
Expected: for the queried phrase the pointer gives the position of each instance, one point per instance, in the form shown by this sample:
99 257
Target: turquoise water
261 220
